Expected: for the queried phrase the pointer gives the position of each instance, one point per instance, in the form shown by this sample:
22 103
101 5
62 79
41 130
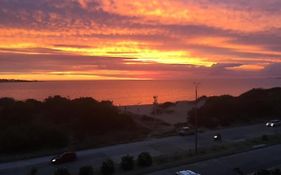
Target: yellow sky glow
184 37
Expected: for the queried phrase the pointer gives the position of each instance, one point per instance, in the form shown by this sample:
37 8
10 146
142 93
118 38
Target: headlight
215 137
267 124
272 124
53 160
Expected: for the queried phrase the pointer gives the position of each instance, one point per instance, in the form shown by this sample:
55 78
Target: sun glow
138 52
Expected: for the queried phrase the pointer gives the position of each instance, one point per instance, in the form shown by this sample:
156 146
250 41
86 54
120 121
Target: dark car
64 157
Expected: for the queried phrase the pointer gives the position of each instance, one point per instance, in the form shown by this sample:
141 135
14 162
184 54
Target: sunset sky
139 39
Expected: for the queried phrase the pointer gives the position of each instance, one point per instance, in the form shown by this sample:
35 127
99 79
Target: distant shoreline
16 81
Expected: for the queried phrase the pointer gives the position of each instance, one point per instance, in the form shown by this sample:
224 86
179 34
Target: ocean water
134 92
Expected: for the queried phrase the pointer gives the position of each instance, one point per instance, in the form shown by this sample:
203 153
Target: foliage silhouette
31 125
127 163
144 159
107 167
86 170
225 110
61 171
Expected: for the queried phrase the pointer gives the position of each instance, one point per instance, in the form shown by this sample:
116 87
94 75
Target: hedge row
144 159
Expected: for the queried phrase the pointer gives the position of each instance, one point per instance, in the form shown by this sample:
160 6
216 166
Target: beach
174 114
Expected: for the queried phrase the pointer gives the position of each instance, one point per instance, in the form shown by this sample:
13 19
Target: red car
63 158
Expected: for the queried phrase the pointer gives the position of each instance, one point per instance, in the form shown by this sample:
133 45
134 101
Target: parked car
217 137
186 172
273 123
184 131
64 157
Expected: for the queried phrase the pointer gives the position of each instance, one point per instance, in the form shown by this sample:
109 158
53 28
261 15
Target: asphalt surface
247 162
159 146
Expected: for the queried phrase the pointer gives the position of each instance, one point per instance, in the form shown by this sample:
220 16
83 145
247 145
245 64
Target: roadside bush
276 171
144 159
61 171
264 138
31 125
238 171
107 167
262 172
268 172
86 170
30 137
33 171
249 106
127 163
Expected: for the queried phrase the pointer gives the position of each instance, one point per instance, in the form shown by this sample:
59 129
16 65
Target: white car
273 123
184 131
186 172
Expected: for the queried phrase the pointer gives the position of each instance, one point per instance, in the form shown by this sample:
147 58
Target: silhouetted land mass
59 122
252 105
15 81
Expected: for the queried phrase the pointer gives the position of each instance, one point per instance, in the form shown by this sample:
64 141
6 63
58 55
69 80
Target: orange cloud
83 3
195 12
149 33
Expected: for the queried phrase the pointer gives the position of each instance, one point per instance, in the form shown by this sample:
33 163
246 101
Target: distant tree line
252 105
53 123
15 81
109 167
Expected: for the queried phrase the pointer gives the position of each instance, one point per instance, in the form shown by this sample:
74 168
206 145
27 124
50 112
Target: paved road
247 162
154 146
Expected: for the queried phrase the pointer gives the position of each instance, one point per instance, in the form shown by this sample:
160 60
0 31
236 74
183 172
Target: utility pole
196 84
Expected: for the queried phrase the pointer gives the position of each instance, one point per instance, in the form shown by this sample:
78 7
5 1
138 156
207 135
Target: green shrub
86 170
276 171
262 172
268 172
144 159
31 125
202 151
61 171
33 171
127 163
264 138
238 171
107 167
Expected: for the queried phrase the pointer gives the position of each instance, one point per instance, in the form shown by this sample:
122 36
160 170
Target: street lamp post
196 84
